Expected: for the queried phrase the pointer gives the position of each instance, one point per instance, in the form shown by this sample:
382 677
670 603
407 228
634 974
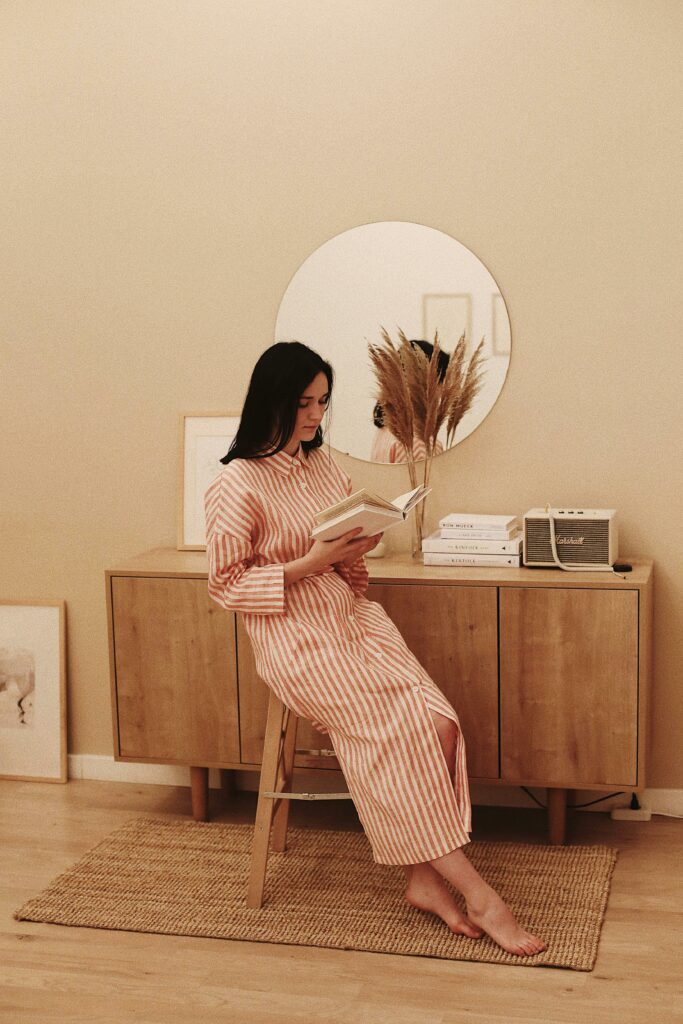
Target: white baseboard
106 769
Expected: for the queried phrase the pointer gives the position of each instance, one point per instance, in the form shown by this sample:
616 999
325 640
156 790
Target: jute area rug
190 878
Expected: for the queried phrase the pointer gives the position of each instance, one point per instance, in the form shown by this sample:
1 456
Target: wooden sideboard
549 672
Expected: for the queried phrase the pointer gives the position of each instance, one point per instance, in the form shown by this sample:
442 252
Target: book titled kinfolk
363 508
469 545
456 533
451 558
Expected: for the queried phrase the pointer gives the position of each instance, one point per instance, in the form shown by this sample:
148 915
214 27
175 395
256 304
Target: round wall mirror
398 276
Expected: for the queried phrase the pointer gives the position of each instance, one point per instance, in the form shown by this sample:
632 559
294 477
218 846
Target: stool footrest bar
306 796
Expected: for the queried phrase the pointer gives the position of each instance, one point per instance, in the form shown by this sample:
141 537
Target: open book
368 510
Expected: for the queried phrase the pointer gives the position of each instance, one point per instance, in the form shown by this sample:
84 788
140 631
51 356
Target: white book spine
473 547
453 533
444 558
465 522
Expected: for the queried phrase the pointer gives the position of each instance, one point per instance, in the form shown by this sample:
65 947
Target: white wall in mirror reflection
392 274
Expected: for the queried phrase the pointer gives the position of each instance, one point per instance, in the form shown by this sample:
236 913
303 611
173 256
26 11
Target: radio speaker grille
578 542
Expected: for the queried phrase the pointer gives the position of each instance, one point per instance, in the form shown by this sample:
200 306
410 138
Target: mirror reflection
397 277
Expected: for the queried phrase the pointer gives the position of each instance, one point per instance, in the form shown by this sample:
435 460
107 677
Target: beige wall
171 163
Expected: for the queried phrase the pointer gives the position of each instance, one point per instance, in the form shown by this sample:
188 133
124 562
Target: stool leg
272 752
281 816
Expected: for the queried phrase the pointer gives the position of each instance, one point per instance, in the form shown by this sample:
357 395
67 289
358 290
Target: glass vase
416 532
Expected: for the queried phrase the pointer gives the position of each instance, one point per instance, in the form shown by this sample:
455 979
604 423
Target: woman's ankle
476 894
466 879
479 897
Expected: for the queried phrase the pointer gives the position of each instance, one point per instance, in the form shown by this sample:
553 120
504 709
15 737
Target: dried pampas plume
460 387
394 395
416 404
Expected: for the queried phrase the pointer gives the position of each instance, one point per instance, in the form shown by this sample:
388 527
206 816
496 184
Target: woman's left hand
369 543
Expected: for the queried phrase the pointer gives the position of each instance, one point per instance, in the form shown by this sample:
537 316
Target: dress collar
285 463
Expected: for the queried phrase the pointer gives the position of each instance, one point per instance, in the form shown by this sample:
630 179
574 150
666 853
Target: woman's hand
369 543
324 554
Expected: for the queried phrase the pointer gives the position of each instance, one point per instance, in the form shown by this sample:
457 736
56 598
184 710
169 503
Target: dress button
416 689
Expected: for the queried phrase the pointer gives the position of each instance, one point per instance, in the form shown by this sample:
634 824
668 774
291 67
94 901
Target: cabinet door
569 686
453 633
175 667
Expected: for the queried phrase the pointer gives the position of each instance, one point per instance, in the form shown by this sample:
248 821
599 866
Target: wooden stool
274 794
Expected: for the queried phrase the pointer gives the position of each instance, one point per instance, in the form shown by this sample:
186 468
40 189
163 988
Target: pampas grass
400 407
416 404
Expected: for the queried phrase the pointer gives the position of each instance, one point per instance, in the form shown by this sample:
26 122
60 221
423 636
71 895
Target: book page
410 499
353 501
371 520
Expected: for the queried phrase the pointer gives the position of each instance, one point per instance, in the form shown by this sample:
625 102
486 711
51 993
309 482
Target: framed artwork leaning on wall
204 440
33 691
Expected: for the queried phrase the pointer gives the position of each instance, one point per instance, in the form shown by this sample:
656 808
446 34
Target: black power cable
590 803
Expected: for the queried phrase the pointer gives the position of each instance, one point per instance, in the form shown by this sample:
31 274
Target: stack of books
467 539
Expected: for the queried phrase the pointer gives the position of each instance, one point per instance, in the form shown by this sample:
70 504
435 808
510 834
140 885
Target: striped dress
387 448
335 657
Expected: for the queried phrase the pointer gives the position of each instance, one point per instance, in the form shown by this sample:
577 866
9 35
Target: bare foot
495 917
426 891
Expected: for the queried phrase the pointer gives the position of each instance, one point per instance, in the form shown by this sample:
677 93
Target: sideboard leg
557 816
199 781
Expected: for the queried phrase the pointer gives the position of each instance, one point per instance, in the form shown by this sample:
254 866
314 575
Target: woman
336 658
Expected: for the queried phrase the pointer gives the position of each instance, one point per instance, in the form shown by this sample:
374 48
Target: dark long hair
279 379
441 367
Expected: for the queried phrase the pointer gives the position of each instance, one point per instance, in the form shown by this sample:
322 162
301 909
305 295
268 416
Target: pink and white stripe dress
387 448
335 657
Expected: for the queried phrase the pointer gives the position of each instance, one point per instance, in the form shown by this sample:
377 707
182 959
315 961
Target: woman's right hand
324 553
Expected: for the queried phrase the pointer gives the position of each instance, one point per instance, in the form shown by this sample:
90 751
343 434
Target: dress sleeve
356 574
235 582
397 452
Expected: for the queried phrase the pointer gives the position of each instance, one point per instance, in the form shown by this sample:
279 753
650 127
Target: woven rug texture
180 877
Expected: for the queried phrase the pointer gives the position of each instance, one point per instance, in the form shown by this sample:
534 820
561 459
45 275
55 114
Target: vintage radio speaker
582 538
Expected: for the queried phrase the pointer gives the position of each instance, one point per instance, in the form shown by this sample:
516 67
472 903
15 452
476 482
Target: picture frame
204 440
500 325
33 741
450 314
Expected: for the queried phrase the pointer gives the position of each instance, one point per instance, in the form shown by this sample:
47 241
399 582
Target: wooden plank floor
50 973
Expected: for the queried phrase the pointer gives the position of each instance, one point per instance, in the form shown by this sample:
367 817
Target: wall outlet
627 814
